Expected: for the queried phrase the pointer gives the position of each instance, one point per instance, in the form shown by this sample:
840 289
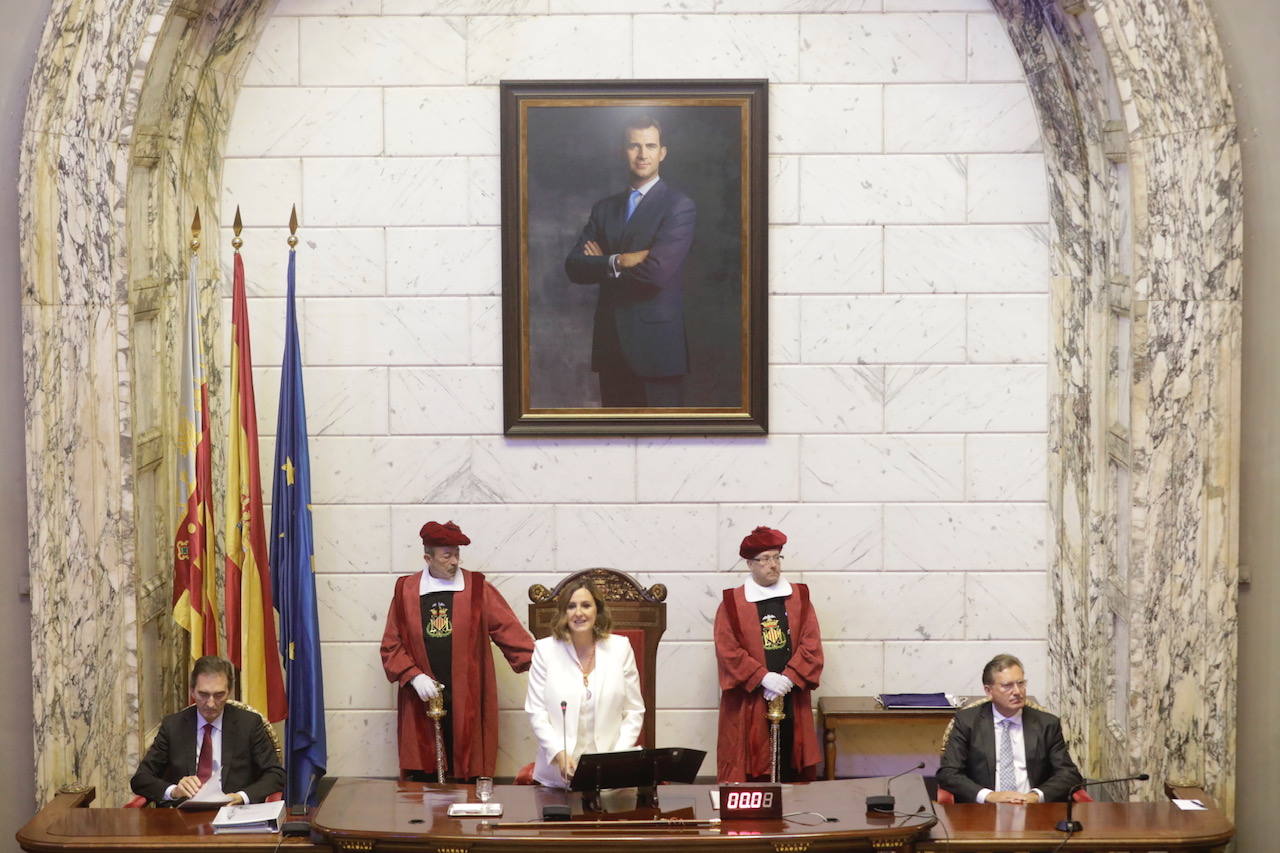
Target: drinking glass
484 788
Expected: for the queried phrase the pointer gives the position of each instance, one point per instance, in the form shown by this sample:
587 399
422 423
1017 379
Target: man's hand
1014 797
236 799
775 683
425 686
591 247
187 787
627 260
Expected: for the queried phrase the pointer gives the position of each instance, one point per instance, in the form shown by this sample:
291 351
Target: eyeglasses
1009 685
766 558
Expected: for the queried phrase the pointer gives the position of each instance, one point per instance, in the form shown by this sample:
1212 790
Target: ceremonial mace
436 711
775 713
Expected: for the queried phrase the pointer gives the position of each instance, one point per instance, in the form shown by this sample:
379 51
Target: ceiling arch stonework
123 138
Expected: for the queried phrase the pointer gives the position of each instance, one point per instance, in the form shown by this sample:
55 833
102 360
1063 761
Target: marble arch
125 123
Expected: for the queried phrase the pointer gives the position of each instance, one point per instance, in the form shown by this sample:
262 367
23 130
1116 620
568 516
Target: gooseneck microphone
300 825
1069 825
560 811
564 734
884 803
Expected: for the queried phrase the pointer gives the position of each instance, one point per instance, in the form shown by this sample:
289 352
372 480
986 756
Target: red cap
442 534
761 539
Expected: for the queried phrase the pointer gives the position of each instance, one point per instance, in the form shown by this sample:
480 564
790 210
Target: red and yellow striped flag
251 619
194 582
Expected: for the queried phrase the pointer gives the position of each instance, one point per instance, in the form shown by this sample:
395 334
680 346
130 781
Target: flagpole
231 574
250 611
194 583
293 565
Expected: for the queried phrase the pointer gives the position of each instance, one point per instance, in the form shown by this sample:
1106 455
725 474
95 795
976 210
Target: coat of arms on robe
438 624
771 633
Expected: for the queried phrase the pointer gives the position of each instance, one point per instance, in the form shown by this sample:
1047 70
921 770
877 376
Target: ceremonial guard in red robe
437 637
767 644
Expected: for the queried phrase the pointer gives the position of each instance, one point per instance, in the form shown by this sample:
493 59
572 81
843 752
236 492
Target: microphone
1068 825
564 734
301 826
884 803
560 811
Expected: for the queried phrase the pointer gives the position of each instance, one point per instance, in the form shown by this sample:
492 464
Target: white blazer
554 676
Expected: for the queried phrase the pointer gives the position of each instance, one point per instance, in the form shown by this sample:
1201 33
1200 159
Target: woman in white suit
584 690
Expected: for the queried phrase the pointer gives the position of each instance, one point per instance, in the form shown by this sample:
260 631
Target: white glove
425 686
775 683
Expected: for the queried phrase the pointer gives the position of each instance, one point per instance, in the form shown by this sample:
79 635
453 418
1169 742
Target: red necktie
204 768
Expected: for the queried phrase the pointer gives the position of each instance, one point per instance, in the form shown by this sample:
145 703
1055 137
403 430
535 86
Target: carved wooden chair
945 796
140 801
638 614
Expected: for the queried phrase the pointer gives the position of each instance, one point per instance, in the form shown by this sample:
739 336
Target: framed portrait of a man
634 257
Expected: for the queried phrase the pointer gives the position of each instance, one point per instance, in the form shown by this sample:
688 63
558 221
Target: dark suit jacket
646 303
969 758
249 761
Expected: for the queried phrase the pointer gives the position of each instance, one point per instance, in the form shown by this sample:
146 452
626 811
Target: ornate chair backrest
275 737
972 703
638 614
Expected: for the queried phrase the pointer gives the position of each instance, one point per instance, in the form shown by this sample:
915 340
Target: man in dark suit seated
1004 752
634 247
230 743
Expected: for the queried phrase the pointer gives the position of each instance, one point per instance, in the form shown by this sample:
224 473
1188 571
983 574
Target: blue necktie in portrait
636 195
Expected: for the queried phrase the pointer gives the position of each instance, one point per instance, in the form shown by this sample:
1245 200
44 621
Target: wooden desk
1107 826
363 814
378 814
852 711
66 825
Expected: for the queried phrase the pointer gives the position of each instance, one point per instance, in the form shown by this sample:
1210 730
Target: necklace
585 666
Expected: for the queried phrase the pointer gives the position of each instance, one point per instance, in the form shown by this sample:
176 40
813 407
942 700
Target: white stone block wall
908 334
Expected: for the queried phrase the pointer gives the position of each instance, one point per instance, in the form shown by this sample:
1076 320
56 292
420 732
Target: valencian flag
251 621
194 582
292 576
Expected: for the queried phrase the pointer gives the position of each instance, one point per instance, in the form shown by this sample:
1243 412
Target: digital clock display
750 802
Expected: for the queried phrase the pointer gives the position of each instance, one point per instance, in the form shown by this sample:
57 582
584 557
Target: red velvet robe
742 747
480 614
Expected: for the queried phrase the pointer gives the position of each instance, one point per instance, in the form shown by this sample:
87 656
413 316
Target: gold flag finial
195 232
293 227
237 226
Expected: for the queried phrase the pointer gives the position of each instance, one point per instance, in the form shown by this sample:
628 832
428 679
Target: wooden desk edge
34 835
1210 841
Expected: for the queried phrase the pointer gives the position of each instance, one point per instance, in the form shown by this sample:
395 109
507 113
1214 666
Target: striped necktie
1004 763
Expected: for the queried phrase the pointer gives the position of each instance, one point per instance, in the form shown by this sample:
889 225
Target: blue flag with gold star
293 582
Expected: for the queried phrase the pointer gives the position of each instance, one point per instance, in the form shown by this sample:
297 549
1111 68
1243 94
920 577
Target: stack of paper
254 817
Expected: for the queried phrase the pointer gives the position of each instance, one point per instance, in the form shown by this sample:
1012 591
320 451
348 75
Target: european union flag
293 582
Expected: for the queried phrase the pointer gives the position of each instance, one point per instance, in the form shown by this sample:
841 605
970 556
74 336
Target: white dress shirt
1021 782
643 189
215 778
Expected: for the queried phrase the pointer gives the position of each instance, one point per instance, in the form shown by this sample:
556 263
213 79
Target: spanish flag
194 583
251 618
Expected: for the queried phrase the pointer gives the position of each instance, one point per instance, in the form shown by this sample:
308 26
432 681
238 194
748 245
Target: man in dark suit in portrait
1003 751
634 247
210 739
